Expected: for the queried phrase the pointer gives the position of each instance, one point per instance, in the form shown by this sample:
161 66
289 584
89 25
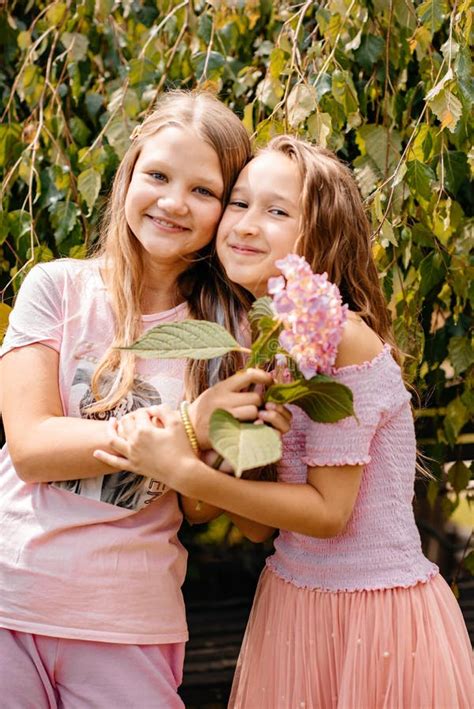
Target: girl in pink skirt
348 612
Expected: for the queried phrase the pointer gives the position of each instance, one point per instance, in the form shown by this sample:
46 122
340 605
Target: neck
160 290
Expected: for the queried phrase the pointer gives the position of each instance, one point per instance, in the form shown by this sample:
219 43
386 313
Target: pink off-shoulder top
380 546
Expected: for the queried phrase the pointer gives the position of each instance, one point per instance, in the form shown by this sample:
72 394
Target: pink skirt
399 648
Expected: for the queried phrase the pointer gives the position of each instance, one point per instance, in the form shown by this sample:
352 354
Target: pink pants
40 672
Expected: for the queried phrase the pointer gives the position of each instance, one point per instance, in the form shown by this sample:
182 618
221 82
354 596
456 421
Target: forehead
179 146
271 170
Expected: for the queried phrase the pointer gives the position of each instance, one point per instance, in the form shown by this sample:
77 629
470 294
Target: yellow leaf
248 118
5 311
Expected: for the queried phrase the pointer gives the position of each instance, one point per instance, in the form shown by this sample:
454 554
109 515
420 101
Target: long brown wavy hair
203 285
334 231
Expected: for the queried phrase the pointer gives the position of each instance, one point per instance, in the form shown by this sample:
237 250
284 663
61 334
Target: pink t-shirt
96 559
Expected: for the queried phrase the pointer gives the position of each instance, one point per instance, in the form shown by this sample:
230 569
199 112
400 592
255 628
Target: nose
174 203
247 225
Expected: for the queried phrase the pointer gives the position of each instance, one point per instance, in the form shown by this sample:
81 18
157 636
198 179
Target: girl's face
261 222
174 200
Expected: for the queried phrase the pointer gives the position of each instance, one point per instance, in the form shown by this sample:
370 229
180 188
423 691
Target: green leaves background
386 83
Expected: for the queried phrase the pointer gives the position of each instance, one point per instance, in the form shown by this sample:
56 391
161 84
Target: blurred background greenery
387 84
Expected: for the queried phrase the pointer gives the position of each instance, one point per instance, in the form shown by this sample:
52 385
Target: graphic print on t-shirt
124 488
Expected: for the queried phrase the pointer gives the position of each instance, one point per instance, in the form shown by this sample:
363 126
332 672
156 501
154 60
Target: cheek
133 202
285 244
213 215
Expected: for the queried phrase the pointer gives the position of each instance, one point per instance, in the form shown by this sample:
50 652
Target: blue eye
158 176
204 191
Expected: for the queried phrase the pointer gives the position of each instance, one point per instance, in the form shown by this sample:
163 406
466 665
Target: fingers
243 379
115 461
244 413
277 416
157 410
142 418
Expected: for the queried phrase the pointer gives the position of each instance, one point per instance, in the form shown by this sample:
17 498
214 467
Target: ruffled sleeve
378 390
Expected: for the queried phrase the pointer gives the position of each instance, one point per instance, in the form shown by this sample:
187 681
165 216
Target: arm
319 508
198 512
44 444
228 395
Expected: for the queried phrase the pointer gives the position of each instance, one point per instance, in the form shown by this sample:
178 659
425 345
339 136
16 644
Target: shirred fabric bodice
380 546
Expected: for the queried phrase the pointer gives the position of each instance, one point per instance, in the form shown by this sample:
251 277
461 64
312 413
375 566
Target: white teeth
167 224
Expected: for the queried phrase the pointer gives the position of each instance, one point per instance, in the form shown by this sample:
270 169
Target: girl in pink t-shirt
91 611
348 612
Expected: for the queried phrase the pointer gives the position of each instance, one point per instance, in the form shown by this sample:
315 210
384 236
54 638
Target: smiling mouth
245 250
167 224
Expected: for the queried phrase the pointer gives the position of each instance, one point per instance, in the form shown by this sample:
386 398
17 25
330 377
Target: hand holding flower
300 328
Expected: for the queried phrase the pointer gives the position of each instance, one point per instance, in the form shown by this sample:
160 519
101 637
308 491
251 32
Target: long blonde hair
203 284
334 232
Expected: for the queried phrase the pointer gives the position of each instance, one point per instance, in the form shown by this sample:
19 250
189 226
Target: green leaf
432 272
382 146
76 44
463 72
277 62
420 177
266 345
262 307
456 417
456 170
19 224
431 14
244 445
63 219
55 13
322 398
447 108
269 91
301 102
205 27
141 71
320 128
88 184
323 86
461 353
80 131
94 103
118 134
195 339
10 143
459 476
370 50
211 64
404 12
344 91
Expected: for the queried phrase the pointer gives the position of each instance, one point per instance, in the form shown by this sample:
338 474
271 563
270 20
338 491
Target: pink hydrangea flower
312 313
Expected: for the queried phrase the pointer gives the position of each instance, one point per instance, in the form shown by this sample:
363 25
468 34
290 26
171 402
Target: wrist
188 427
202 434
190 477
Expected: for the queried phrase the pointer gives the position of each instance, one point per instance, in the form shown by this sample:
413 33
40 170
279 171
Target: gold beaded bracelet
188 426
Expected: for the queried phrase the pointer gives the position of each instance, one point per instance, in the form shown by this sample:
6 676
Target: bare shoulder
359 343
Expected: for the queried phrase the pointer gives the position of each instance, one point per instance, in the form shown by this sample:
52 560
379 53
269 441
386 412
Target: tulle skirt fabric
400 648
